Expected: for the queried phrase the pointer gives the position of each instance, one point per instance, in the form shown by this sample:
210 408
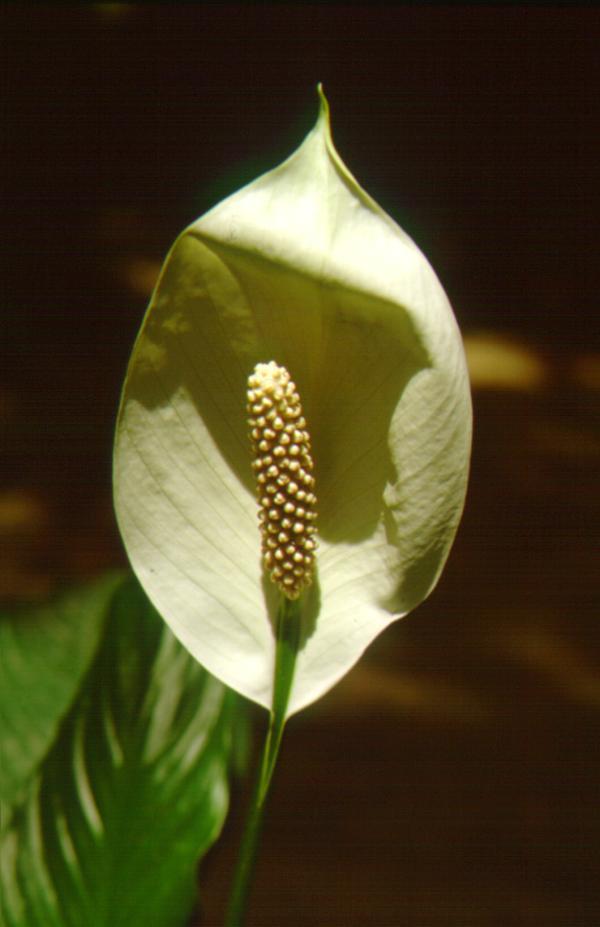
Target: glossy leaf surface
133 792
44 654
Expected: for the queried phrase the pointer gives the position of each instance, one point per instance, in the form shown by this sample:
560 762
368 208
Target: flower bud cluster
283 468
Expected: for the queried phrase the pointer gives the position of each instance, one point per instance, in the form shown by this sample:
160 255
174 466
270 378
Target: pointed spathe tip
323 123
324 105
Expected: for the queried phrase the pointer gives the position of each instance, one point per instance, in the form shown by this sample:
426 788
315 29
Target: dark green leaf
132 793
44 653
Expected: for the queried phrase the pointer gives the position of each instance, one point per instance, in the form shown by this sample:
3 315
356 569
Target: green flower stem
288 635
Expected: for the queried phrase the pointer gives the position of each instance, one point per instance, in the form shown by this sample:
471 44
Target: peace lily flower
303 270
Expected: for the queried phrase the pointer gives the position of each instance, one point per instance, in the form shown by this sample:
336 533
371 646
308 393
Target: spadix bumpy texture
284 476
303 269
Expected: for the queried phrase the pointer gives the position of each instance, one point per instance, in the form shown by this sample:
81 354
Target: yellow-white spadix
284 476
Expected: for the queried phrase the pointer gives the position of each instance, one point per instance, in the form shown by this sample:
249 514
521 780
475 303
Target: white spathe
301 267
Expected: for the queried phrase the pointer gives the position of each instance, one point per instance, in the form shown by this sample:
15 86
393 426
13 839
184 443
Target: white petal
301 267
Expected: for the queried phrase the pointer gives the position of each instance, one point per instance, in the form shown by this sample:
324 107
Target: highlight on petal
300 268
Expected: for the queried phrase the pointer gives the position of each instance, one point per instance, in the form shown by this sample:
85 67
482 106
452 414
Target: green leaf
133 792
44 654
303 268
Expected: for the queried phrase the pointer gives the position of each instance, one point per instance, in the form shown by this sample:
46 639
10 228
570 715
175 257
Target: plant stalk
286 649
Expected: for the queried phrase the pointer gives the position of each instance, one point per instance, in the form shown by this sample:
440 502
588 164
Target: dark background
452 778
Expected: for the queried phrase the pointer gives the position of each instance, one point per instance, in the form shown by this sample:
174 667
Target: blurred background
452 778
